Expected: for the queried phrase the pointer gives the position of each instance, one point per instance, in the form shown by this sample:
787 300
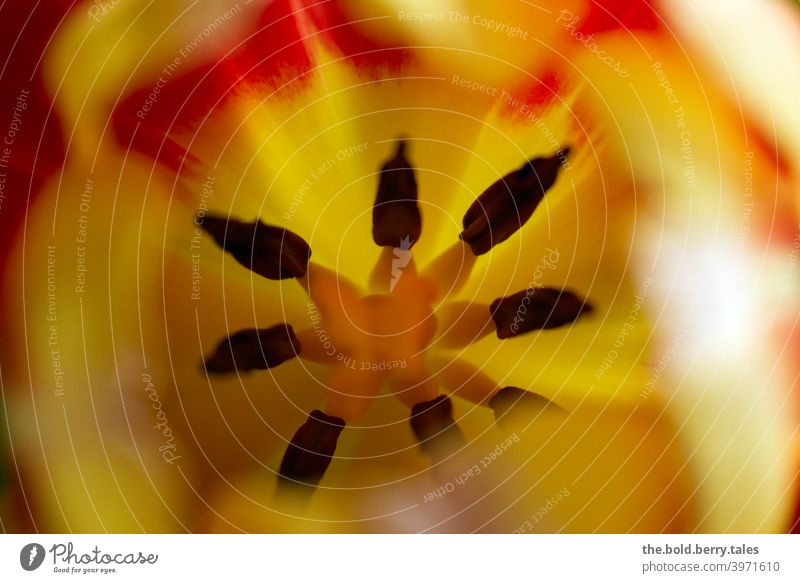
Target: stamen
272 252
412 382
332 292
393 265
536 309
463 379
396 220
309 453
510 402
434 426
451 270
463 323
506 205
379 339
254 349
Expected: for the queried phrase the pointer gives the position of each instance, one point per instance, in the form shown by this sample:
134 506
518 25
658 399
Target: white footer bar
378 558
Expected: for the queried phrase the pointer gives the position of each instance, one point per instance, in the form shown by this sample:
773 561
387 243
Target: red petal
348 38
608 15
275 54
37 148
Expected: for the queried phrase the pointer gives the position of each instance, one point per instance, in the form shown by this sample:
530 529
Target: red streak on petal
349 39
540 94
275 55
527 100
25 31
766 144
777 218
610 15
147 139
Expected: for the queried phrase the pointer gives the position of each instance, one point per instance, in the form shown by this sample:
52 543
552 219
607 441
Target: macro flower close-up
348 266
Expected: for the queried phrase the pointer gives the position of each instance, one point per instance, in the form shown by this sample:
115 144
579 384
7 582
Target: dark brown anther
502 209
508 402
434 426
254 349
396 220
309 454
273 252
536 309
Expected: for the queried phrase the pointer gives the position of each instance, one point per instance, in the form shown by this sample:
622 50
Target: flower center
378 338
395 325
372 338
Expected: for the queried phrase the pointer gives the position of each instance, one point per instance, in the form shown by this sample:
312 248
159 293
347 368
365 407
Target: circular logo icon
31 556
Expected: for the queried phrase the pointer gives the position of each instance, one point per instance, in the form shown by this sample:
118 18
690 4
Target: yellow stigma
372 339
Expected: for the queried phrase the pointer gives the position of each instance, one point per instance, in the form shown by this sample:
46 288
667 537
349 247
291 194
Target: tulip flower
402 266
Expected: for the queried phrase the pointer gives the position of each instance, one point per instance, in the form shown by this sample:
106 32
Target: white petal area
712 201
716 370
753 47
